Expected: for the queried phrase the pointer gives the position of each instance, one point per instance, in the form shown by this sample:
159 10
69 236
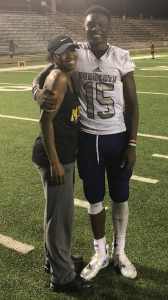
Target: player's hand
129 158
47 99
57 173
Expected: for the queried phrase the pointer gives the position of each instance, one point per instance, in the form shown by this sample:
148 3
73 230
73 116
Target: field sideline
22 201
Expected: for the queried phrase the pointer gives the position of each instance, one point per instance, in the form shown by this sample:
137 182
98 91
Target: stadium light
29 4
43 3
125 7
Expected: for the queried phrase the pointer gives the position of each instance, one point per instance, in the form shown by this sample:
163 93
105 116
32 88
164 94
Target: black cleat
77 285
47 266
77 260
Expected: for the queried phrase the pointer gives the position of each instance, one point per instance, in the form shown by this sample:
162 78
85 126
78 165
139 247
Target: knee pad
95 208
120 209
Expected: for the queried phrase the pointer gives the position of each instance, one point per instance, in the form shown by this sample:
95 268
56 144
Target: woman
54 154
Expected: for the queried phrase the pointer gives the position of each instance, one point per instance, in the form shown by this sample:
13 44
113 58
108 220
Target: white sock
100 245
120 214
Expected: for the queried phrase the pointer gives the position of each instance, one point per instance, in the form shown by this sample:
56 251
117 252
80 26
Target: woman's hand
57 173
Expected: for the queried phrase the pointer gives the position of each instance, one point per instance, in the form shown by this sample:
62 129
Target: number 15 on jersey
101 88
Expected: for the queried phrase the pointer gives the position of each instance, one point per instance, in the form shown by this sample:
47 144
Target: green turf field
22 201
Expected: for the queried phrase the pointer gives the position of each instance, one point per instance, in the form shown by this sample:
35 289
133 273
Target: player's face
97 28
67 60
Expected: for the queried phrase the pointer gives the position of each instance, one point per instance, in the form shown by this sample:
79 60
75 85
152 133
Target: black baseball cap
59 44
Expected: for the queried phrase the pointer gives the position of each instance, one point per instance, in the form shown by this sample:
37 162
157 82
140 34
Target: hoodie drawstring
97 148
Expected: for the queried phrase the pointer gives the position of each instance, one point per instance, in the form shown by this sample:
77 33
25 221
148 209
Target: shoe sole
130 277
61 290
91 277
115 265
47 270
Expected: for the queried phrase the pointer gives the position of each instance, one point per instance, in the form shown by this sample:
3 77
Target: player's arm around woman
131 120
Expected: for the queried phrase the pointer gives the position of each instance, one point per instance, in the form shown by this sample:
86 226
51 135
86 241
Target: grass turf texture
22 201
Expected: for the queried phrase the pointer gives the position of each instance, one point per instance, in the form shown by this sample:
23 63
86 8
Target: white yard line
37 72
164 94
153 136
15 245
138 92
159 68
160 155
2 83
133 177
24 248
144 179
150 76
22 68
147 56
18 118
36 120
83 203
43 66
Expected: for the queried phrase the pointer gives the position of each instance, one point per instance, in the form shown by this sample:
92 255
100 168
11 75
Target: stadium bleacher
31 31
129 33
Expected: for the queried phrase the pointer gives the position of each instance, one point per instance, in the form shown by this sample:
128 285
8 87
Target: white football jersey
98 83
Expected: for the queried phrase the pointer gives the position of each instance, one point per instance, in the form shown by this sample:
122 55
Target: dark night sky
132 8
156 8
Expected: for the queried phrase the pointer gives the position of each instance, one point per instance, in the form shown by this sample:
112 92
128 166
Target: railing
54 13
14 7
23 52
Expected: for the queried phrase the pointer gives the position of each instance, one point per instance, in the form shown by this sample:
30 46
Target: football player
108 130
152 49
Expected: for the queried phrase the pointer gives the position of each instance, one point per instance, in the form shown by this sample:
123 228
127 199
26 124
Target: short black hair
98 9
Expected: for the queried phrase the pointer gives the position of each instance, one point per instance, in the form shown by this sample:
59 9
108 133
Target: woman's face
67 60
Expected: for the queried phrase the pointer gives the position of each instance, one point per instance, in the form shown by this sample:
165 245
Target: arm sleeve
127 64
